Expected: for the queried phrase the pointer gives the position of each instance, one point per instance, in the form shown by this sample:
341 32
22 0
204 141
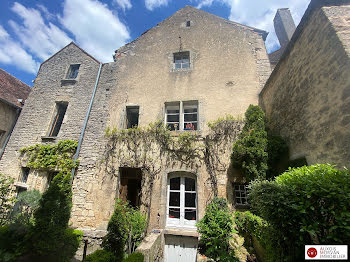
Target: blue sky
33 30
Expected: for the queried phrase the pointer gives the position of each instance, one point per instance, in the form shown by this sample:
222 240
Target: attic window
182 60
73 71
188 23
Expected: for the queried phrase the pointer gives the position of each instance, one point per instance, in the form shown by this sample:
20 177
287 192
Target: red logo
312 252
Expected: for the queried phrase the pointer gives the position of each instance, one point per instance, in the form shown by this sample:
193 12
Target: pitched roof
12 89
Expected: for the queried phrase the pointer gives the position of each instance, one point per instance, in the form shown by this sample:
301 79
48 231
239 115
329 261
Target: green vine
51 157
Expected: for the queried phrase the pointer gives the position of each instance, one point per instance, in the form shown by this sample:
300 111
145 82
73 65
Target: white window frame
181 105
180 64
181 222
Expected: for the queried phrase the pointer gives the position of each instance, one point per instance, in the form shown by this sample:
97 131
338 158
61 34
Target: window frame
181 56
56 119
242 199
130 108
181 221
69 75
181 105
25 171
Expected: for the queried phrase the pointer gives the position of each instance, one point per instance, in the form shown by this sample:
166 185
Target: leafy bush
308 205
134 257
27 203
11 242
125 228
249 151
100 256
216 229
250 225
7 198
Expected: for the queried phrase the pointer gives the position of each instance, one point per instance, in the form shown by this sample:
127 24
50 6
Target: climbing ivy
51 157
154 146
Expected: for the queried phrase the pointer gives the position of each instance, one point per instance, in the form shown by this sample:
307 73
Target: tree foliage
7 198
249 152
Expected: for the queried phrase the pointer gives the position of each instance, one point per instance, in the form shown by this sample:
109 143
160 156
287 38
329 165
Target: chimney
284 26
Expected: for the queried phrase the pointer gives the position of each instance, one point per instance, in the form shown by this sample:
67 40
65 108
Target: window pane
190 117
190 184
190 199
173 111
174 212
173 118
177 65
190 109
175 183
174 199
190 126
173 127
186 65
190 214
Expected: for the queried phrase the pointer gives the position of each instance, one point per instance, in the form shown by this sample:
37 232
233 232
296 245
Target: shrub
134 257
249 151
252 226
100 256
7 198
11 242
308 205
137 226
216 229
27 203
117 231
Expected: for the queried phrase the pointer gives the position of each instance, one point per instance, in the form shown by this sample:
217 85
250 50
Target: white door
180 249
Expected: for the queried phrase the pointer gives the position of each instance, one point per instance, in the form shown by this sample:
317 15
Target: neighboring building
190 69
13 94
307 97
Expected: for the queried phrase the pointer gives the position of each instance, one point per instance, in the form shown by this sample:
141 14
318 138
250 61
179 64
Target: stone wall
7 117
307 98
38 111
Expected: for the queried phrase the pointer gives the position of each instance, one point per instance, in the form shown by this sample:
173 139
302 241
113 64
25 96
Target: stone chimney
284 26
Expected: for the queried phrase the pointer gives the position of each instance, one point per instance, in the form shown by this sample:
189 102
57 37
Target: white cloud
96 29
40 39
46 12
12 53
260 14
124 4
151 4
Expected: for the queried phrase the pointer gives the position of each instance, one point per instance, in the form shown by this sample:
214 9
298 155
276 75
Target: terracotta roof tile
12 89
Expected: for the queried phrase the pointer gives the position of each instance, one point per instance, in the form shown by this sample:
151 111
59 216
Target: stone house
186 74
13 94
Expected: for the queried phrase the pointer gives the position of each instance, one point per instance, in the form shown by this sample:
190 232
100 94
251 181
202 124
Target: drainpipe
85 122
18 111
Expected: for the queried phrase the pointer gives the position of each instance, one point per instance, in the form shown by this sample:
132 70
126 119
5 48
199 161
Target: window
188 23
241 194
61 108
132 116
186 120
24 174
182 60
73 71
182 201
50 177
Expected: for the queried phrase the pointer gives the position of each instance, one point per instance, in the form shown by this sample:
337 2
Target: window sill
68 81
181 231
179 132
21 184
181 70
48 138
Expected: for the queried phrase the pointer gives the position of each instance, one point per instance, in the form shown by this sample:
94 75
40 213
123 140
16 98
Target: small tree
7 198
27 203
216 229
249 153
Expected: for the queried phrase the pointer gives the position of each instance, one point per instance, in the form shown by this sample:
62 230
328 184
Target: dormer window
182 60
73 71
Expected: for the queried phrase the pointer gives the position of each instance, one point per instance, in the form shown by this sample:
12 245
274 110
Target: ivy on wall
154 146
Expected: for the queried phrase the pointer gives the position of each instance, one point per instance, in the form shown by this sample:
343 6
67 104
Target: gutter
85 122
18 111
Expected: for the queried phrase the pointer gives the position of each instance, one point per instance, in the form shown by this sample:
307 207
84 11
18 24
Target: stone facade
307 97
